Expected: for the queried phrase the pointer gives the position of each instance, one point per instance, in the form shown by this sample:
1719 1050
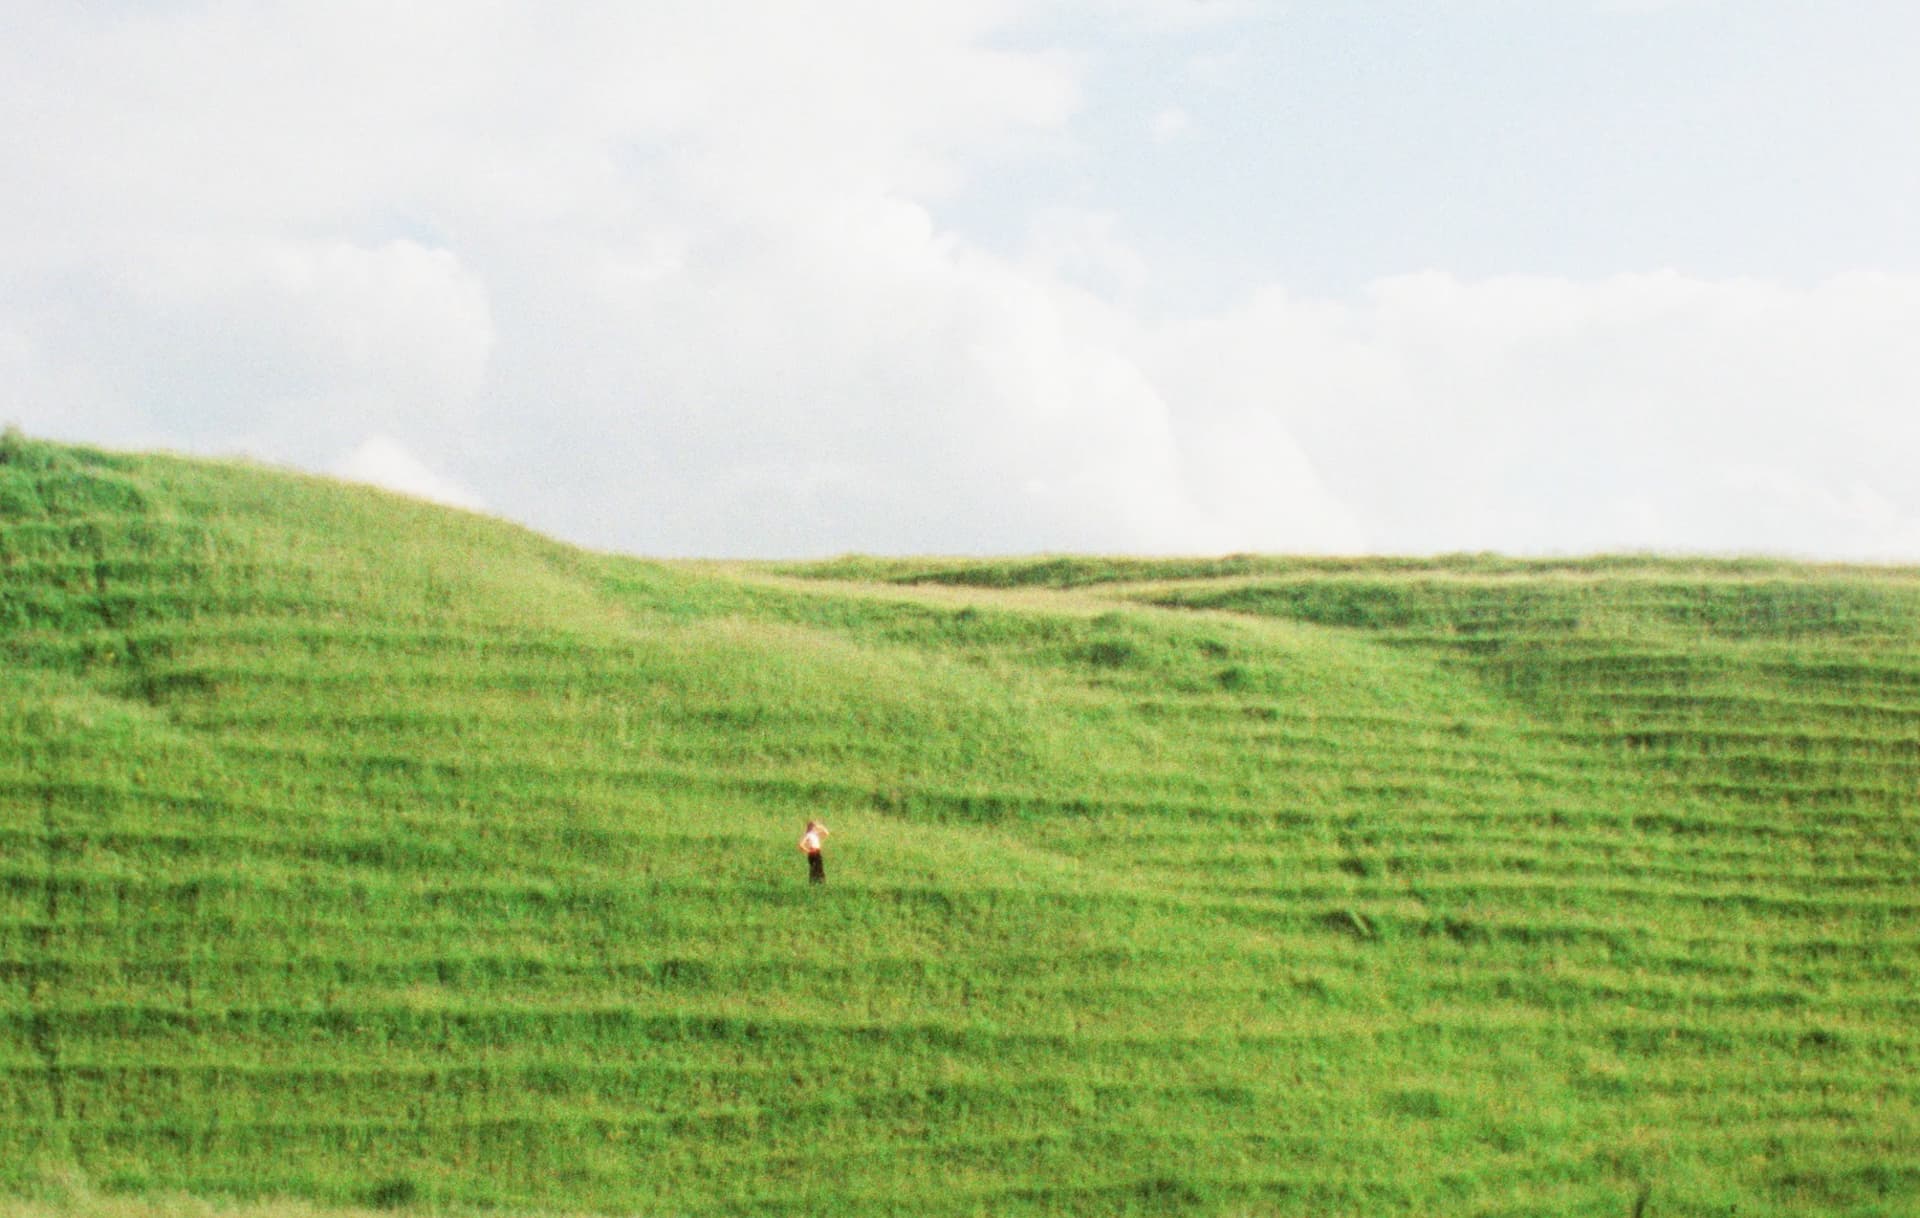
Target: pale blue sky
745 278
1330 144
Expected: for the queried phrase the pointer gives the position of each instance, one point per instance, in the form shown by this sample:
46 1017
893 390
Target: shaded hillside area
372 853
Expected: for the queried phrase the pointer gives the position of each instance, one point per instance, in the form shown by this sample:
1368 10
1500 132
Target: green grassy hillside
367 853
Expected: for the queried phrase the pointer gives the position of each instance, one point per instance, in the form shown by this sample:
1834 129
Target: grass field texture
361 853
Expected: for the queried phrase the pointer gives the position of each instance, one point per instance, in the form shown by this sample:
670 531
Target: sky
738 278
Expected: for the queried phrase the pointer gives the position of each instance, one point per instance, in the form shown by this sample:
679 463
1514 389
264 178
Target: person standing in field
810 843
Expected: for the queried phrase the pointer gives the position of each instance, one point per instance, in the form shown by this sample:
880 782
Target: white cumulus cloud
382 461
1537 413
728 279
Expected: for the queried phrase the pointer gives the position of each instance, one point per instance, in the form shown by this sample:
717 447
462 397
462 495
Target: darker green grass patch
1422 1104
392 1193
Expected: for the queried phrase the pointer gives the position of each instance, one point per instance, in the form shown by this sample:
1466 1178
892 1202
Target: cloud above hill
750 279
1638 411
382 461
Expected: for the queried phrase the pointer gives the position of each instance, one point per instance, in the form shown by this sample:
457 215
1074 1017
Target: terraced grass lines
364 853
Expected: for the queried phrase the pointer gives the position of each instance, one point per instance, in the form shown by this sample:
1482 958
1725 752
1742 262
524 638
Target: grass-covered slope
373 853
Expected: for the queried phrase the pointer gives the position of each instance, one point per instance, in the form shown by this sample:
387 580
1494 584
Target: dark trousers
816 868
